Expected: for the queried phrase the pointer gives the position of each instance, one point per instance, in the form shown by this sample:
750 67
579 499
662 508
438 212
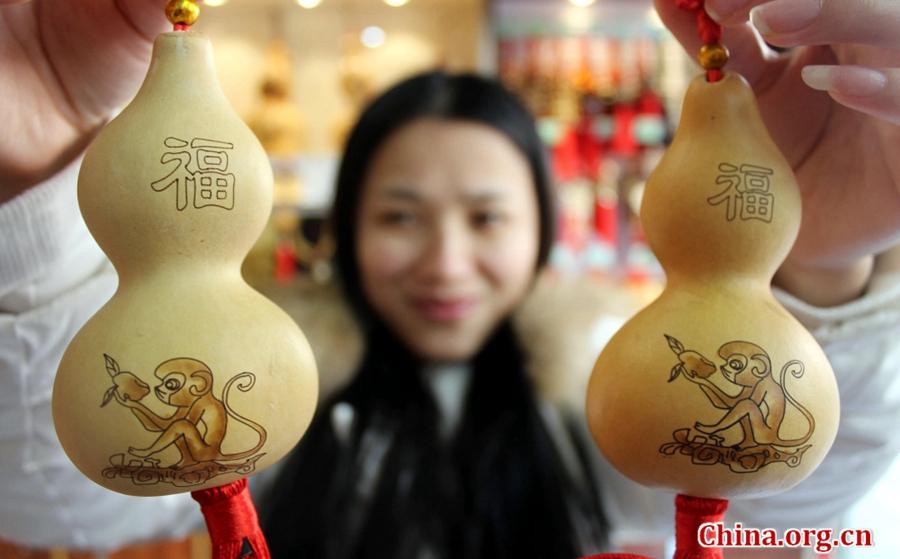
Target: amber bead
713 57
183 12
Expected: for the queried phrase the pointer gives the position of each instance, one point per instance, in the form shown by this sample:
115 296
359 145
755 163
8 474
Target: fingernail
721 10
853 81
785 16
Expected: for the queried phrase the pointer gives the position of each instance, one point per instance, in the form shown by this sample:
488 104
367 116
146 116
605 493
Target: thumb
147 17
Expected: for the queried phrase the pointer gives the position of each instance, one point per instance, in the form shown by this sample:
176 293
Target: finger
146 16
10 2
819 22
731 12
872 91
748 54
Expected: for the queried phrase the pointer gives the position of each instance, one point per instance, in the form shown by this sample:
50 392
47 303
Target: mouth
728 374
442 310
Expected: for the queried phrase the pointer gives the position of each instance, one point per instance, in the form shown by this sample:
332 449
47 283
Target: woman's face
447 241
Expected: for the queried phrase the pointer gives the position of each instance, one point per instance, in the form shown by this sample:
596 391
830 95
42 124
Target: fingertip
820 78
850 81
759 22
728 12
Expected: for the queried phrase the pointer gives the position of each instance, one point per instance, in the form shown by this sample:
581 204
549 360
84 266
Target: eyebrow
401 193
483 196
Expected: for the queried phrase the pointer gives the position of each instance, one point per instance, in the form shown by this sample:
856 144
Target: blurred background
603 77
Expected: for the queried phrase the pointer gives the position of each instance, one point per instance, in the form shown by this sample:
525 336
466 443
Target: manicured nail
854 81
785 16
721 10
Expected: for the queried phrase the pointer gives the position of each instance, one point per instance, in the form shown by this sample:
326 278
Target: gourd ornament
187 379
714 390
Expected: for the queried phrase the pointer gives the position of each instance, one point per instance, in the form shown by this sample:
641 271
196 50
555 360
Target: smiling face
447 242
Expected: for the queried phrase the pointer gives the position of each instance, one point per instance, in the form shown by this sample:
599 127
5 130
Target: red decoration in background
232 522
606 219
565 156
590 148
623 141
649 103
710 31
285 261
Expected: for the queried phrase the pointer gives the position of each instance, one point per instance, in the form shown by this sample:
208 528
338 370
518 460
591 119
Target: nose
448 254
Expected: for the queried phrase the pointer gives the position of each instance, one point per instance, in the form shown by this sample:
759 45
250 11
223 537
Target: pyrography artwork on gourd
187 379
714 390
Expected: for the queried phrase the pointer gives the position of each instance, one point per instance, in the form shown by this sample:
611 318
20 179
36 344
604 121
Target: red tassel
232 522
690 514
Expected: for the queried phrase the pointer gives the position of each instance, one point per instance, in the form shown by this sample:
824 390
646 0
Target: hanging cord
232 522
182 13
690 514
713 55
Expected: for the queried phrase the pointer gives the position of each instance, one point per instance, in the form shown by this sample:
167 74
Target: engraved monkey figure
760 406
198 425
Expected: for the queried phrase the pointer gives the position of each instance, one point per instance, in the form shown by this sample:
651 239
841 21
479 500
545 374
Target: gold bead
713 57
184 12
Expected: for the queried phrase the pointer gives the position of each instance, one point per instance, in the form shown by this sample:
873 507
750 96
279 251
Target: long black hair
372 477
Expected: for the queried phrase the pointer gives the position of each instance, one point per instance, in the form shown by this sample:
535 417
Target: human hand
832 104
67 66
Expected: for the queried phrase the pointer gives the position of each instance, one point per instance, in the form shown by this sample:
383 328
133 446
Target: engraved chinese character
747 192
757 200
731 195
200 173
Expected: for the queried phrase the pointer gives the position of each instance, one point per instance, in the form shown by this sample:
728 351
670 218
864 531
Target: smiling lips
444 310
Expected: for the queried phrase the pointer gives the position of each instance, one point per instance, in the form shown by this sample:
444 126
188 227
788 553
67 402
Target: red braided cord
690 514
232 522
710 31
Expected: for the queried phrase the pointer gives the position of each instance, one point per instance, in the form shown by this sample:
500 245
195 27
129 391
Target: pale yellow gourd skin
717 295
180 291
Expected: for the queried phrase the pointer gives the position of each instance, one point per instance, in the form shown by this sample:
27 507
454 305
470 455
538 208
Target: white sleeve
862 341
53 277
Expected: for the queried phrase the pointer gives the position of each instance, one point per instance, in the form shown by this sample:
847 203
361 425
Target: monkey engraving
758 408
197 427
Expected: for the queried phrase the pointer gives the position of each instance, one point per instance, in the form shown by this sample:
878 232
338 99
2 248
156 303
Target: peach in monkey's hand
126 386
690 363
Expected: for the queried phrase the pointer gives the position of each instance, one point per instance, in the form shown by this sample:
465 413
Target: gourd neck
182 66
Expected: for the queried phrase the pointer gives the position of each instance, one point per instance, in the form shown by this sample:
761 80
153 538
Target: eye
735 364
487 219
398 218
172 384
